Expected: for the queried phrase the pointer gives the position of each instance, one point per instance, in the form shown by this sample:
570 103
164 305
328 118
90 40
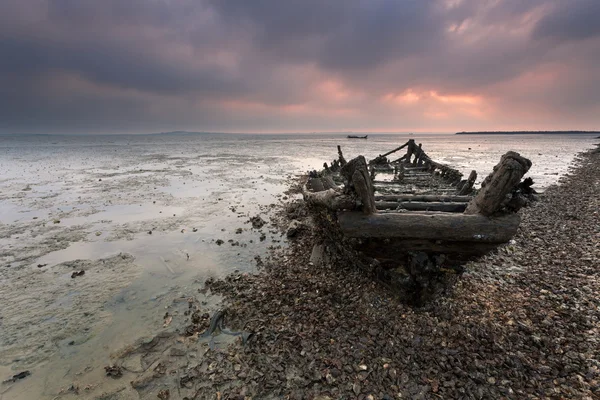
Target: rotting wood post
357 179
496 187
468 186
409 151
418 154
341 156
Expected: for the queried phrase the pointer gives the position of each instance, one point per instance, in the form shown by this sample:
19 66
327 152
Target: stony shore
523 322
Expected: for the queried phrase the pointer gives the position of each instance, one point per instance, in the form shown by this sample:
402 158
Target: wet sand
142 230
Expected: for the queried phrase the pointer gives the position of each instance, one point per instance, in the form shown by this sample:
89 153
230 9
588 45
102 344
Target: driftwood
495 189
433 226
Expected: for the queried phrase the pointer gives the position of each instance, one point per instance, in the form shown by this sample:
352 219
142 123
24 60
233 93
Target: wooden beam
433 226
422 206
416 197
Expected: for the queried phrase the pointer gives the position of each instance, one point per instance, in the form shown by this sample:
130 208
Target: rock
19 376
219 242
329 378
257 222
317 257
294 228
114 371
75 274
133 363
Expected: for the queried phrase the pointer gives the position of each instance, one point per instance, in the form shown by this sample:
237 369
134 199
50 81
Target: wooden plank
440 226
416 197
422 206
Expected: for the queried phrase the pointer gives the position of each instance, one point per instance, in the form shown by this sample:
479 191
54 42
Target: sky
140 66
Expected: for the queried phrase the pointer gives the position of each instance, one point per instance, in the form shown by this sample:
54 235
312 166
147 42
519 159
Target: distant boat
357 137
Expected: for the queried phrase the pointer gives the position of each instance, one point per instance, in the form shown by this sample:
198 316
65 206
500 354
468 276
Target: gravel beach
521 323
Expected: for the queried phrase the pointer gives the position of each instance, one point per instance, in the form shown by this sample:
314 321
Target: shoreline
522 322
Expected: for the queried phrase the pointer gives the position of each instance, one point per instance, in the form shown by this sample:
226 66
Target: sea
149 218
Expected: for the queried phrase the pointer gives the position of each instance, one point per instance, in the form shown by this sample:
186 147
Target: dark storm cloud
236 64
112 64
571 20
339 34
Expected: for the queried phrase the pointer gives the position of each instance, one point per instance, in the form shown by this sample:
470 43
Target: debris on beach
18 377
75 274
114 371
257 222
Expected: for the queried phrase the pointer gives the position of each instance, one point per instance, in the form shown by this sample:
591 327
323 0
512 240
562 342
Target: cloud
264 65
570 20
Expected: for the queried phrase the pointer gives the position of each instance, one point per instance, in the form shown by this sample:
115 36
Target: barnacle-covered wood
330 199
495 189
359 181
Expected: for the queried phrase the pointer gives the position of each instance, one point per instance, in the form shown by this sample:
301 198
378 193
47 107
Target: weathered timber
431 226
403 190
331 199
406 178
421 206
468 185
495 189
318 184
396 249
341 158
382 157
416 197
357 179
412 146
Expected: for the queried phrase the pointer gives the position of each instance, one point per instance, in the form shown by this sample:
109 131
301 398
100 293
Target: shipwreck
411 219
